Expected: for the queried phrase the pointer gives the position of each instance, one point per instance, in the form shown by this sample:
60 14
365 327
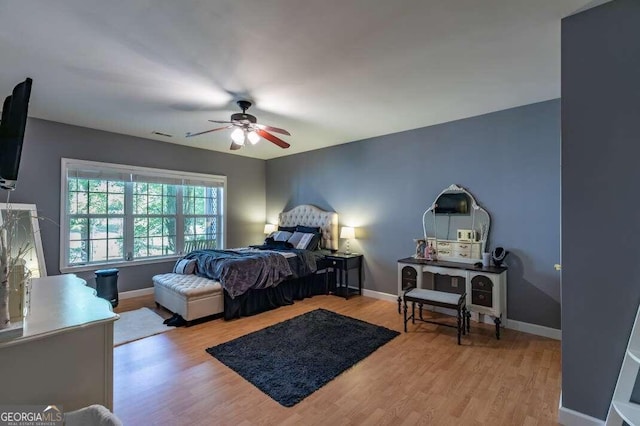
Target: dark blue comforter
244 269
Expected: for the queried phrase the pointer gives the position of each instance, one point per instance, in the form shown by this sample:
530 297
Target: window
115 214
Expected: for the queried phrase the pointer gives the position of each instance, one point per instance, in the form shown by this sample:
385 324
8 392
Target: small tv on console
452 203
14 121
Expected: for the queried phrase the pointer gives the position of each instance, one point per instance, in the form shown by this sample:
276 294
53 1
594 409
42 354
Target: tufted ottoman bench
189 295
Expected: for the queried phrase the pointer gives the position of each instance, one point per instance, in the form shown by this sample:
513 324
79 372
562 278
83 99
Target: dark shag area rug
291 360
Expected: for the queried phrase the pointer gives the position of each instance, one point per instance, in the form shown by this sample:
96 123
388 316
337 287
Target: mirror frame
484 234
35 227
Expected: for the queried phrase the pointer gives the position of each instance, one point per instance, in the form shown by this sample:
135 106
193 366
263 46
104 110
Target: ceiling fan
247 129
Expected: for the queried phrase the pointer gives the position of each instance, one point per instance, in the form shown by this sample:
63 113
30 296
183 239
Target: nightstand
342 263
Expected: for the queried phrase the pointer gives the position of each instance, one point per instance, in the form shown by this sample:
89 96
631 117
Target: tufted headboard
308 215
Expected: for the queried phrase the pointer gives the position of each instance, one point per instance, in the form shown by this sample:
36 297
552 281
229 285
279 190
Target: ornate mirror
456 226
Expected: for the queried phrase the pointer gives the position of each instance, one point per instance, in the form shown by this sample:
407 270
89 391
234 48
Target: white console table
486 288
65 355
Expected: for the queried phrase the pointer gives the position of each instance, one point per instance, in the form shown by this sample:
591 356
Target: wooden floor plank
421 377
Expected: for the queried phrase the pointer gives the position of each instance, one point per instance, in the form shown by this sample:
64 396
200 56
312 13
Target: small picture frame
421 246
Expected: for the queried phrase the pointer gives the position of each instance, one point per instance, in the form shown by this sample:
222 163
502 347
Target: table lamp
269 228
347 233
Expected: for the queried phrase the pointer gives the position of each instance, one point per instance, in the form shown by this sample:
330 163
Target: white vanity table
486 288
65 355
458 228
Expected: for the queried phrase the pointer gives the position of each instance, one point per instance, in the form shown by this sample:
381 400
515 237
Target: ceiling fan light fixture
246 128
238 136
253 137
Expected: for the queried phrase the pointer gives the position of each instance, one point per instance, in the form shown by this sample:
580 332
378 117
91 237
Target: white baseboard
525 327
135 293
540 330
379 295
569 417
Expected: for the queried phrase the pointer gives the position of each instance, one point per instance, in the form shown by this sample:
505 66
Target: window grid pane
154 236
200 206
95 236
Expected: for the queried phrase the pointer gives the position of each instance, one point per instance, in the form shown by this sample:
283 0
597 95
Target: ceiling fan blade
273 129
268 136
234 146
207 131
218 121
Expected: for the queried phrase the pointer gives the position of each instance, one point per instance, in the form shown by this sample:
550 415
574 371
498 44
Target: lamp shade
253 137
238 136
348 232
269 228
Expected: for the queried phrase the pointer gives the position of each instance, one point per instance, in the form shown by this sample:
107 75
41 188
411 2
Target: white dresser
65 355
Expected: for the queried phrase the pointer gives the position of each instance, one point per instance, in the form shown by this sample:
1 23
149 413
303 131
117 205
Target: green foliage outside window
97 216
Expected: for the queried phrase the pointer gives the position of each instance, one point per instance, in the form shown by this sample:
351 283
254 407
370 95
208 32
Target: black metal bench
439 299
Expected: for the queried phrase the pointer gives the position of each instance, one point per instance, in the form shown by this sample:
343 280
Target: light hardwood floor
421 377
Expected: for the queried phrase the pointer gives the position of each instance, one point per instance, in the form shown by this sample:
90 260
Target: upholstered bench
439 299
189 295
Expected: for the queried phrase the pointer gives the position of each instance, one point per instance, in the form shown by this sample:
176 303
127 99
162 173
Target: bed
251 280
297 288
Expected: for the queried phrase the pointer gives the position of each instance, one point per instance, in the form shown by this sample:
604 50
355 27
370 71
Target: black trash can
107 285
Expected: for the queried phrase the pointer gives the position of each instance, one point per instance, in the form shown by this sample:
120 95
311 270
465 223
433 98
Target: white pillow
185 266
300 240
304 241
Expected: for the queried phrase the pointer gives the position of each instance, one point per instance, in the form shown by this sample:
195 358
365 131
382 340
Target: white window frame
67 163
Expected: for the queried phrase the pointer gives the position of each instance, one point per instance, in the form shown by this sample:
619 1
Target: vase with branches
13 274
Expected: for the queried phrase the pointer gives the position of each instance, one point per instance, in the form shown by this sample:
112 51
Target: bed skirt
255 301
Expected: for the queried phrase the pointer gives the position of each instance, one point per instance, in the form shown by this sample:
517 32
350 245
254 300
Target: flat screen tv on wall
452 203
12 126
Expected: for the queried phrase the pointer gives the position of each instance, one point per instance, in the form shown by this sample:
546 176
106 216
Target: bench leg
468 321
413 312
459 324
498 321
464 320
420 309
405 316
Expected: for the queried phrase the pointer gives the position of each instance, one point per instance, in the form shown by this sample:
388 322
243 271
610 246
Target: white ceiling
329 71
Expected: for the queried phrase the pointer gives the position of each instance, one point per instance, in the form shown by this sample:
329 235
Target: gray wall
600 203
510 162
39 182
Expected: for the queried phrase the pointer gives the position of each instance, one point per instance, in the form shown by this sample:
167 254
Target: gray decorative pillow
185 266
281 235
301 240
295 238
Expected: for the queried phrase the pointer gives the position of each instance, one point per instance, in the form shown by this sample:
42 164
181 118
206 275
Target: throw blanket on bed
240 270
